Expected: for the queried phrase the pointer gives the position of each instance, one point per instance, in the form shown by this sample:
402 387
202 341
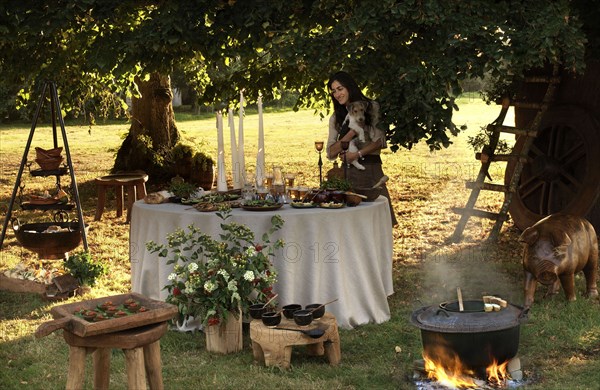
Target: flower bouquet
213 278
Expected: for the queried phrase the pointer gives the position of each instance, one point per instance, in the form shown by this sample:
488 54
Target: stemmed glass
319 149
345 145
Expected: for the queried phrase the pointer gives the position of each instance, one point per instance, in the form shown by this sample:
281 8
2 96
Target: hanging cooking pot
477 337
50 240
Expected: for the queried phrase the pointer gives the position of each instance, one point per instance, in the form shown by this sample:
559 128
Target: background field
560 344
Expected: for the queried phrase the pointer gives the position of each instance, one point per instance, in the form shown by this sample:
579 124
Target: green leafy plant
213 277
84 268
336 183
481 140
181 188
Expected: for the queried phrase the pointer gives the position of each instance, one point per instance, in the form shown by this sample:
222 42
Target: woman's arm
367 148
334 146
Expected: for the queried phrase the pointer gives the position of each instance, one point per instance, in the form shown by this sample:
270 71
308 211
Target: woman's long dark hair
354 94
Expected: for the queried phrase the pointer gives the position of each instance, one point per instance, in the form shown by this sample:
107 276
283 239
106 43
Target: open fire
449 371
468 346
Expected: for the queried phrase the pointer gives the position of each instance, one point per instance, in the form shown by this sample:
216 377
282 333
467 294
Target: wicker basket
49 164
50 153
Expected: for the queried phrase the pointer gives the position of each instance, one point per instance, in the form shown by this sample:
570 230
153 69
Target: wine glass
319 148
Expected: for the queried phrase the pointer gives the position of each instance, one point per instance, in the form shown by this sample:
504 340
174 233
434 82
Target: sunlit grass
559 341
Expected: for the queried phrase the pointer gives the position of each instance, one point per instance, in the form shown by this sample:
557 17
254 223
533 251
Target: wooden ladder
519 156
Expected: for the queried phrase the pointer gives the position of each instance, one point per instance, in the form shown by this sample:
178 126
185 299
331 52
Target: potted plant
202 172
216 280
192 164
84 268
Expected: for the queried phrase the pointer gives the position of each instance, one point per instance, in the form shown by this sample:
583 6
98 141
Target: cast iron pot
475 336
48 245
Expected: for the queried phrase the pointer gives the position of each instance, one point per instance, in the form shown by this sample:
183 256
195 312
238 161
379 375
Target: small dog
356 120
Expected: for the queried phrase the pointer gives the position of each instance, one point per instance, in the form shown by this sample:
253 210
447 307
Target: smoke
471 269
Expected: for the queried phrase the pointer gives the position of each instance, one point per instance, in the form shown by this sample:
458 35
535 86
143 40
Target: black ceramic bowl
257 310
303 317
271 318
288 310
318 313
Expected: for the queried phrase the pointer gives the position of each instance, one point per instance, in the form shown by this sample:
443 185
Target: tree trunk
153 131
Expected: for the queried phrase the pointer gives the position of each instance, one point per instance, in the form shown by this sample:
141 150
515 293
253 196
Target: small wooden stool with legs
134 184
142 356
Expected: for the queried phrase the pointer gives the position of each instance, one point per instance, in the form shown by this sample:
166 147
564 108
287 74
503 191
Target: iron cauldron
476 337
48 245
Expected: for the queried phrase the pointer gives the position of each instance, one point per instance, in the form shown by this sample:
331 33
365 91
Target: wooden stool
142 356
273 347
135 189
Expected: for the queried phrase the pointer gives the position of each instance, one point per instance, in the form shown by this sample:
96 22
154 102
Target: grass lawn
559 346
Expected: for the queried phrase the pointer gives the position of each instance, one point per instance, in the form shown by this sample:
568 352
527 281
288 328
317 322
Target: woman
345 90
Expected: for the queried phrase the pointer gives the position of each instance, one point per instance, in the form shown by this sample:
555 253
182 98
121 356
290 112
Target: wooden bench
142 357
134 184
273 347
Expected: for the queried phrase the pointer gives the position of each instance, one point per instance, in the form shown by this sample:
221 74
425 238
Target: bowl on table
288 310
271 318
370 193
353 199
257 310
318 309
303 317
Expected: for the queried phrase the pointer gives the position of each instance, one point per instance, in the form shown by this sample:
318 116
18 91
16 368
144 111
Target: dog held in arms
356 119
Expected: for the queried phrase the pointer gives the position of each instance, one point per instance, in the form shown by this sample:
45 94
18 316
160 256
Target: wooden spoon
381 181
314 333
321 305
270 300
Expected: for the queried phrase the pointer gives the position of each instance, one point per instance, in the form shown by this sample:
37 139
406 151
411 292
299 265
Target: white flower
209 286
192 267
249 276
224 274
189 288
251 251
232 286
172 276
235 297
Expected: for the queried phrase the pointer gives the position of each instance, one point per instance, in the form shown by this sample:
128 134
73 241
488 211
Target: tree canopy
409 55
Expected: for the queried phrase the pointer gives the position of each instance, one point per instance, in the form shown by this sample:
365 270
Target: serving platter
262 208
332 205
303 205
67 317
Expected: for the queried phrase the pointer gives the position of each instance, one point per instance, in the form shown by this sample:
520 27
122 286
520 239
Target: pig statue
556 248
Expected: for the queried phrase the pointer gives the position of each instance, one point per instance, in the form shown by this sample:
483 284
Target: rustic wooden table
273 347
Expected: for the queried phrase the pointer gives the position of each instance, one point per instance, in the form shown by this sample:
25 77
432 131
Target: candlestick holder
345 145
319 149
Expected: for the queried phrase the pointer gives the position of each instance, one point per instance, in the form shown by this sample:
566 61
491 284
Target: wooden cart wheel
563 173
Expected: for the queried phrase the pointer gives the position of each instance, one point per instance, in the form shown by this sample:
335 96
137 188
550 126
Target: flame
449 372
447 369
497 373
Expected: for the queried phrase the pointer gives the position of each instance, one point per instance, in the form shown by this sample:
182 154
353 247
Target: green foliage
336 183
481 140
181 188
213 277
191 156
84 268
411 56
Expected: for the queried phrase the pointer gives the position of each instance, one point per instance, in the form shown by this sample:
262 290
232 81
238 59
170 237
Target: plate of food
261 205
303 205
331 205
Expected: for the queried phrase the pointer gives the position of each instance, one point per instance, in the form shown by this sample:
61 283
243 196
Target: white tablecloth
336 253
